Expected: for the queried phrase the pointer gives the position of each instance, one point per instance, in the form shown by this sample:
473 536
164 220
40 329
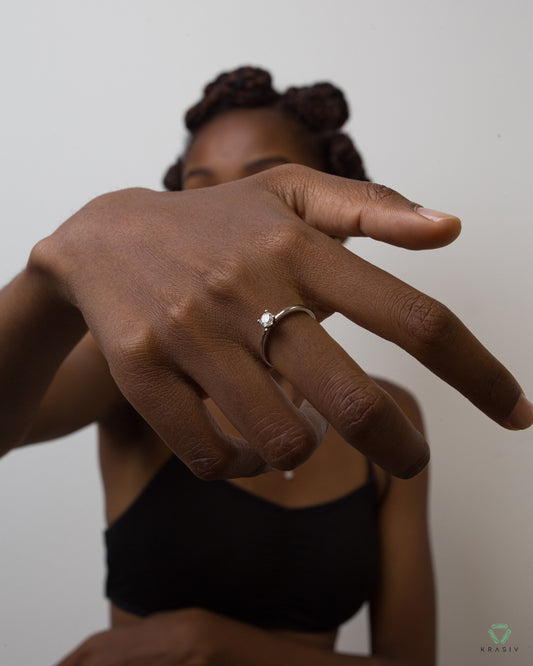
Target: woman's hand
175 638
171 286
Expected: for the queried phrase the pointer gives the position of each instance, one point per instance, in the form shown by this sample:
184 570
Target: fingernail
522 415
434 215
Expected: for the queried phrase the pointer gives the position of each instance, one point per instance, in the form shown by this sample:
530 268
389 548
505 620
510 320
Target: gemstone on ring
266 319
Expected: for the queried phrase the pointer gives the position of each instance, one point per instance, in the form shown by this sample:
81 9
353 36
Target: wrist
37 331
60 259
44 271
54 310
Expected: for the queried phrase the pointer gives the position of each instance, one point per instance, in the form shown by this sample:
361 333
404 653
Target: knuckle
182 316
222 282
287 241
289 447
359 408
191 327
160 337
429 323
135 350
377 193
209 465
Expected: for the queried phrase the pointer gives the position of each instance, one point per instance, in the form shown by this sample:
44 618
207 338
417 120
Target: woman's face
242 142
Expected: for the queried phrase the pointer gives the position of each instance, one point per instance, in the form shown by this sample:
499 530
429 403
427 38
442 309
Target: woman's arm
47 390
403 612
403 608
237 644
82 392
37 331
167 282
194 636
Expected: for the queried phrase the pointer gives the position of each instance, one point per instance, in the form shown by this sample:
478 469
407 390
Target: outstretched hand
171 286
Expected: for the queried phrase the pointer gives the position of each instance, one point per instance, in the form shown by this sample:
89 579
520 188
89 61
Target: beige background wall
441 96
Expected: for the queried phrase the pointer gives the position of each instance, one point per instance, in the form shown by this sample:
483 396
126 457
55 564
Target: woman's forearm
291 653
37 331
243 645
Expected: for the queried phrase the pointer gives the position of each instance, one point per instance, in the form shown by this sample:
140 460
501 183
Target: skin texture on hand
171 286
176 637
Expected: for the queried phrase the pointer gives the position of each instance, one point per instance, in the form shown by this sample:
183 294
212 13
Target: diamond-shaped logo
503 630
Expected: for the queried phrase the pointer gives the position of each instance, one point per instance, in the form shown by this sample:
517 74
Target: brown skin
241 143
167 282
114 230
233 146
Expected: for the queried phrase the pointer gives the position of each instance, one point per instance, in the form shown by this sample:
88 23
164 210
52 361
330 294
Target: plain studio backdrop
441 101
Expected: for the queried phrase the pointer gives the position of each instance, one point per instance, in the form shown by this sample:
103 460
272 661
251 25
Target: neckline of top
296 509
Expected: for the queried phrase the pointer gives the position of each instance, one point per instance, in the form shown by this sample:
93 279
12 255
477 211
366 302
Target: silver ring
268 321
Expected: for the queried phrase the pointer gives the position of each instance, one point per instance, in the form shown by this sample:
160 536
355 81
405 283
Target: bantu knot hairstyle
321 110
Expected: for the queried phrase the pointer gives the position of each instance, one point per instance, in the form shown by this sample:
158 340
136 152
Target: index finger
339 281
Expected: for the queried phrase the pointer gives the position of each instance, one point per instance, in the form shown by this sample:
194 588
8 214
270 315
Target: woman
256 570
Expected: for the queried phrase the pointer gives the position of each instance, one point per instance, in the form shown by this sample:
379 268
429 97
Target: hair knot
245 87
320 107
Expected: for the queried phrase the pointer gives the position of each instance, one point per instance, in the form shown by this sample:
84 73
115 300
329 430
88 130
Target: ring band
268 320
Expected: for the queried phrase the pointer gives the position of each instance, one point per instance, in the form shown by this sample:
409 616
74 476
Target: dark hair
320 110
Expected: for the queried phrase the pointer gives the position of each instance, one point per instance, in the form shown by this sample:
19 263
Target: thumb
343 207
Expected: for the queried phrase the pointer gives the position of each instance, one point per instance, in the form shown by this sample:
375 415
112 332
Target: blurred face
242 142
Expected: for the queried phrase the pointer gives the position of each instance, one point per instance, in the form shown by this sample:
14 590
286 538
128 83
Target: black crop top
185 542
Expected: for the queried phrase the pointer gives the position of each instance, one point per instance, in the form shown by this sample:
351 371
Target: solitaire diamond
267 319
